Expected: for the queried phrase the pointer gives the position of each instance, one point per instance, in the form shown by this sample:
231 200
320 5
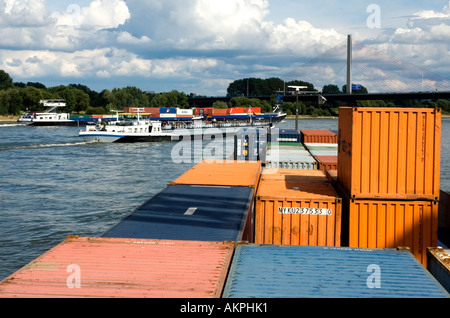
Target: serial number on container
307 211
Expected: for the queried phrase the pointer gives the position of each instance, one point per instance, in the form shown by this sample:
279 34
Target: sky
200 46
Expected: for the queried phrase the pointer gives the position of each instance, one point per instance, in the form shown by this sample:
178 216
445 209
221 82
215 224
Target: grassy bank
8 119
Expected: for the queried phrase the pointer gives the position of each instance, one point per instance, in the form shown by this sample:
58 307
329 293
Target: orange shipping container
390 224
219 112
292 213
331 176
293 175
226 173
390 153
319 136
129 268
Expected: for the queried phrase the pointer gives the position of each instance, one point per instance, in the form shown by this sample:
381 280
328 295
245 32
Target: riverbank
8 119
12 119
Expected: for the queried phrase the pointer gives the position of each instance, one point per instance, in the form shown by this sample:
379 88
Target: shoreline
10 119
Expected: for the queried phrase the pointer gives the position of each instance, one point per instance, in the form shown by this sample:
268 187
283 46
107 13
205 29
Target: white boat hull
100 137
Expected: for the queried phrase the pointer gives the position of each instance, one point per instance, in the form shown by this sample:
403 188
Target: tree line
17 97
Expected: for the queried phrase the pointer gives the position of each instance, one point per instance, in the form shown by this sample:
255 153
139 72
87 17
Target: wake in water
10 125
45 146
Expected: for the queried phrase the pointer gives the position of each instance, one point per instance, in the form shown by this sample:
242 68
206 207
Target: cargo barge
181 118
49 117
242 229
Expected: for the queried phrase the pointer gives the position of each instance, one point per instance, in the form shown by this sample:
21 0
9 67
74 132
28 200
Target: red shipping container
327 162
130 268
219 112
237 110
319 136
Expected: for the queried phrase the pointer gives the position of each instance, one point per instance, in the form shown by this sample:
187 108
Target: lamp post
297 91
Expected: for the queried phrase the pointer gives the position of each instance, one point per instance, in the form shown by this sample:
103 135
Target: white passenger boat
50 117
125 131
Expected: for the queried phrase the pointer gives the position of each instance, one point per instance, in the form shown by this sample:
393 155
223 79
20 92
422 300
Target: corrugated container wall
390 153
250 144
192 212
293 175
273 271
327 162
390 224
297 213
109 268
439 265
284 156
318 136
227 173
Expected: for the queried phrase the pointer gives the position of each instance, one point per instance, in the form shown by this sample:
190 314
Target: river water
52 184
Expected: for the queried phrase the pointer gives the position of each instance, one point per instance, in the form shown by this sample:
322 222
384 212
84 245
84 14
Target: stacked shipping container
319 136
250 144
285 151
388 176
83 267
211 202
297 207
274 271
323 146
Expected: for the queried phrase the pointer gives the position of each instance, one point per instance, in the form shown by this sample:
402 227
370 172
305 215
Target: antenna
298 88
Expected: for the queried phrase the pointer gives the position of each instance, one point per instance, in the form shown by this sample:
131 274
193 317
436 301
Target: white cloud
103 63
101 14
23 13
182 67
127 38
209 43
301 37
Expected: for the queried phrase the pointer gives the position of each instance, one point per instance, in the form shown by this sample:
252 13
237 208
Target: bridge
347 99
386 78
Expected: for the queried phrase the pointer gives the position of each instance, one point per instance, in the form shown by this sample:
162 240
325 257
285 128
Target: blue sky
200 46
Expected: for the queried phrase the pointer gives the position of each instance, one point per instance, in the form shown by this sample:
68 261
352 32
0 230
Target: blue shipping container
166 110
186 212
284 135
274 271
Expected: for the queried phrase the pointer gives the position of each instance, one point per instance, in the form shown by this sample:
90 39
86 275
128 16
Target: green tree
331 89
174 99
220 105
255 87
159 100
36 85
76 99
129 96
11 102
310 86
362 91
5 80
31 98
